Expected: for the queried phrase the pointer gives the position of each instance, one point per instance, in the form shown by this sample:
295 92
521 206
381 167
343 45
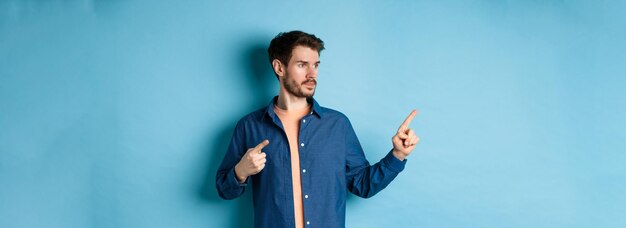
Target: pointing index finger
408 120
261 145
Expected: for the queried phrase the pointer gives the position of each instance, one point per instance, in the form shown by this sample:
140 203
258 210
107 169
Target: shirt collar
269 110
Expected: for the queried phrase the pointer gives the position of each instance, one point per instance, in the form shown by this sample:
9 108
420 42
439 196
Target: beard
296 89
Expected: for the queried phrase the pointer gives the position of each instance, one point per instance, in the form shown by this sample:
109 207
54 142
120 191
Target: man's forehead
302 53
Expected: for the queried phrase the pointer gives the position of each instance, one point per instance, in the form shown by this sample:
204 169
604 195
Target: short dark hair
281 46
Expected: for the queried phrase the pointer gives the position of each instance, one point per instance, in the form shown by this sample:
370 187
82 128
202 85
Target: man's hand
252 162
405 139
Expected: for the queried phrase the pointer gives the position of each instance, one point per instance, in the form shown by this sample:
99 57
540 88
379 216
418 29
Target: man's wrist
399 155
239 177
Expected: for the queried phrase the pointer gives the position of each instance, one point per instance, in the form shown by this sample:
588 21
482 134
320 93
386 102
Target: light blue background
117 113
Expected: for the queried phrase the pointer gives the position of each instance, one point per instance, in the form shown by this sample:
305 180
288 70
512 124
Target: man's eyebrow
302 61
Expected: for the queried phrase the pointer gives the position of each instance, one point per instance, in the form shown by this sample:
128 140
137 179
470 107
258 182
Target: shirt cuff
393 163
234 181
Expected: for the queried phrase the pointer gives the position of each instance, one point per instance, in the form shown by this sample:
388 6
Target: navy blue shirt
332 163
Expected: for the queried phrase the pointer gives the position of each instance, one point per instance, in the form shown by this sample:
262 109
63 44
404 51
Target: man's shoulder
254 116
332 114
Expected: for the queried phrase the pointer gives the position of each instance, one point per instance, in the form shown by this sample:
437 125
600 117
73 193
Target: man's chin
309 95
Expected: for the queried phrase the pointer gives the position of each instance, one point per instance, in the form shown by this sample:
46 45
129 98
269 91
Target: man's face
300 77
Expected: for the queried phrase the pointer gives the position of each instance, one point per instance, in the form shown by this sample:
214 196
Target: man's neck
287 101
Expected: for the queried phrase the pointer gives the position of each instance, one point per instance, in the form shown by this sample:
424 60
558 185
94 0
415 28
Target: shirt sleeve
228 187
363 179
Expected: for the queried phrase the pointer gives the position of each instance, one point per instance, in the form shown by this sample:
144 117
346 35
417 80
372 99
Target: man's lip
311 83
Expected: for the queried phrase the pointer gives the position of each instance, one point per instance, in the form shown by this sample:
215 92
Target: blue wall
117 113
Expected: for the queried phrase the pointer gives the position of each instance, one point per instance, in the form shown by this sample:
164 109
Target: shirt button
301 144
304 170
306 196
303 121
307 222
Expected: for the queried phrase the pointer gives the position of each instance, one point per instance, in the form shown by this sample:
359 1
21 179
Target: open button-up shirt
332 163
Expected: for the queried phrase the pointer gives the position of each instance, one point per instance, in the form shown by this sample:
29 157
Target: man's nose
312 73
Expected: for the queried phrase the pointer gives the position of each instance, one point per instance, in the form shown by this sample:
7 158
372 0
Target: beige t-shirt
291 123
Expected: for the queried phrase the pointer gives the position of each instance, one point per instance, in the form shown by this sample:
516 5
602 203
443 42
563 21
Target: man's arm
236 167
366 180
228 187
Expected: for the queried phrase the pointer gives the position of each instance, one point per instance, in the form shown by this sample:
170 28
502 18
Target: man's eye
300 65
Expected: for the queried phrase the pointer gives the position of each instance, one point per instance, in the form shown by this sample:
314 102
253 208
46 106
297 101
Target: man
302 158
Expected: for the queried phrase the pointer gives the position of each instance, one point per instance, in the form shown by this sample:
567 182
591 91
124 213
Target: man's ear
279 68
